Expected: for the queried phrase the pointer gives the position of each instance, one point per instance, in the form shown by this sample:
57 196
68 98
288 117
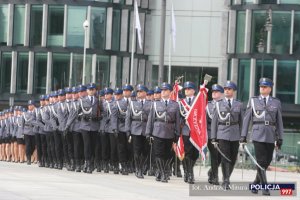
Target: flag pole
132 46
170 56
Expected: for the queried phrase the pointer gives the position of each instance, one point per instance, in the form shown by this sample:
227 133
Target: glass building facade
278 60
42 46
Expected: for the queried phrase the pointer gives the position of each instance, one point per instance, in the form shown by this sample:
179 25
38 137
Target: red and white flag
196 120
179 147
176 89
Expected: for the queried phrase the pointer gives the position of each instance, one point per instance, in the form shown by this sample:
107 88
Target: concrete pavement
23 182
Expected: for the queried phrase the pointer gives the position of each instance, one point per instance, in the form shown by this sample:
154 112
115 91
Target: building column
49 73
113 71
292 32
297 100
71 70
149 73
27 24
45 25
252 77
234 69
109 20
231 31
125 72
10 24
65 25
30 72
141 72
124 30
13 79
275 78
247 45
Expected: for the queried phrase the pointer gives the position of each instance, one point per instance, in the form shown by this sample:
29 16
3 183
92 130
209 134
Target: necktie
127 101
190 101
265 101
229 103
166 102
92 99
142 101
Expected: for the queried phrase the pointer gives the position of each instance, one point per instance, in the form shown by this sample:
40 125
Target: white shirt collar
267 98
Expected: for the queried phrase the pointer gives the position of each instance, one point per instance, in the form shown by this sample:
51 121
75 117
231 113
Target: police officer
20 135
150 95
215 158
157 93
264 113
40 137
164 125
109 132
89 111
226 129
121 105
191 153
135 125
29 132
73 125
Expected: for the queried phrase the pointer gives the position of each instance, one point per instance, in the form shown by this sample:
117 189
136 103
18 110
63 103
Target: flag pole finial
207 79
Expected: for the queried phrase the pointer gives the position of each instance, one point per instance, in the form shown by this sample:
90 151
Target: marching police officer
150 95
191 153
89 111
29 132
135 125
121 105
264 113
226 130
157 93
217 92
109 132
164 125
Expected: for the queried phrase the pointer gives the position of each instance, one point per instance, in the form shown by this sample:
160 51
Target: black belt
169 122
138 120
267 123
228 123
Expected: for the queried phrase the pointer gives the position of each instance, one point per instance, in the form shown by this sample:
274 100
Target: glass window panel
77 69
229 70
258 21
61 68
289 2
119 72
296 41
3 24
243 80
247 1
36 21
19 20
102 71
285 91
98 25
40 73
5 71
264 68
268 1
281 32
22 73
240 32
55 25
116 30
75 30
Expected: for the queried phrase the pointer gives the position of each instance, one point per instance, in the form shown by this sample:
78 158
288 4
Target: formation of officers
127 131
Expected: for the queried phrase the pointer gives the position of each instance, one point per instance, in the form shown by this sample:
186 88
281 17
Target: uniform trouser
113 148
78 145
98 155
58 146
140 145
89 143
230 150
122 147
162 148
29 145
263 153
44 147
215 158
38 146
70 145
51 147
105 146
190 151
